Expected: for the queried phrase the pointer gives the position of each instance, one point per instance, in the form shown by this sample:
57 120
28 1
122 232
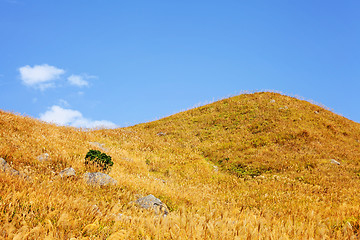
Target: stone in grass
67 172
43 157
151 202
5 167
98 179
334 161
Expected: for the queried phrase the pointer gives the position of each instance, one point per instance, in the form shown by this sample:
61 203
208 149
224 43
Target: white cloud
74 118
40 76
78 80
60 116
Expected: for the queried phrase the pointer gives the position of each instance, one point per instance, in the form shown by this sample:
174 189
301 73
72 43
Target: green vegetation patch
242 170
95 157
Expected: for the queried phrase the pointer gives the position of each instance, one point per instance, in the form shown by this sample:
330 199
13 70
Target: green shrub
95 157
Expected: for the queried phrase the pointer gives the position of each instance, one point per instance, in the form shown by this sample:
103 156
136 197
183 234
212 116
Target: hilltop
253 166
261 132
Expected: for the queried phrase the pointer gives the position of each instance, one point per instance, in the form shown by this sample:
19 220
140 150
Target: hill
254 166
262 132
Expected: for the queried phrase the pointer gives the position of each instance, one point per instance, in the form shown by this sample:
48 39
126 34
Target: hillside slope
262 132
254 166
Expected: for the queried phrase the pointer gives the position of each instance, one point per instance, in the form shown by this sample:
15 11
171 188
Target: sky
92 63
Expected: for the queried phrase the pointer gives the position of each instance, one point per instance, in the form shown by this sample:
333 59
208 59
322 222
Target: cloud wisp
69 117
40 76
78 80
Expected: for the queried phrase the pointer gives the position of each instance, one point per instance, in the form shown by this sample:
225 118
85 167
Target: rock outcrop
153 203
98 179
5 167
67 172
43 157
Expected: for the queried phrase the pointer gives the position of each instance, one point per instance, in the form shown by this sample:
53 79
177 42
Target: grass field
253 166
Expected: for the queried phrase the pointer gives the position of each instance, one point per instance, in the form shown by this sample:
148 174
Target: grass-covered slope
254 166
262 132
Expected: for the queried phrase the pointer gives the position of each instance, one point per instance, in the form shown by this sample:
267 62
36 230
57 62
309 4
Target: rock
98 179
316 112
215 168
334 161
151 202
67 172
43 157
272 101
99 145
161 134
5 167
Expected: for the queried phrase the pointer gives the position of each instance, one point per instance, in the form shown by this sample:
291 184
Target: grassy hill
262 132
254 166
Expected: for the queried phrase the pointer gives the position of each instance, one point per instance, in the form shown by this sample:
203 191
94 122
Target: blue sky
118 63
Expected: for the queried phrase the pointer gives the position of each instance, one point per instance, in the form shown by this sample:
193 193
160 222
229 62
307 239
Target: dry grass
246 167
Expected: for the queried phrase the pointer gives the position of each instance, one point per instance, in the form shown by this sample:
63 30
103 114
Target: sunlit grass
255 166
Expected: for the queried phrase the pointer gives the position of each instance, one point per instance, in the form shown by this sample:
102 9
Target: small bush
95 157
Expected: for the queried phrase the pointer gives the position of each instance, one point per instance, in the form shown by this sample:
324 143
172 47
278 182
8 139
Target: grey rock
67 172
43 157
272 101
99 145
334 161
161 134
153 203
316 112
5 167
98 179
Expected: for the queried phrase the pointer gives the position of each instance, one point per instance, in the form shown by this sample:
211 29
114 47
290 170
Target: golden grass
245 167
